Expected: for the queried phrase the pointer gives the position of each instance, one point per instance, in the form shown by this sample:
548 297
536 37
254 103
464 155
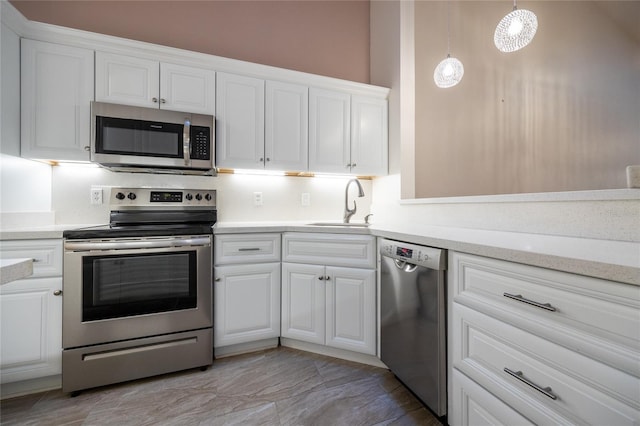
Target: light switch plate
257 198
305 199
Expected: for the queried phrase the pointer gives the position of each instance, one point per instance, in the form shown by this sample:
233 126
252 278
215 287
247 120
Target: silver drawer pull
518 375
249 249
34 260
519 298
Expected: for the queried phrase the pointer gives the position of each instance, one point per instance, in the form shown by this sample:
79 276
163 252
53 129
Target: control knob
189 197
131 196
198 197
207 197
120 196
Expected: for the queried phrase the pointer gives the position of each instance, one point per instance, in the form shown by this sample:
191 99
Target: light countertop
611 260
607 259
15 269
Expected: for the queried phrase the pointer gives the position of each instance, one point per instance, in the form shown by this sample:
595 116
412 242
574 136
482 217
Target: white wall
281 194
598 214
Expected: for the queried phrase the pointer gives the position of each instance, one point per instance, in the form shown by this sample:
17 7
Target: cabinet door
303 302
187 89
369 136
351 309
31 329
286 126
127 80
329 131
57 90
10 90
247 303
240 117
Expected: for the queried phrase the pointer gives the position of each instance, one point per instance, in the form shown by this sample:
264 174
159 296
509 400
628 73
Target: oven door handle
138 244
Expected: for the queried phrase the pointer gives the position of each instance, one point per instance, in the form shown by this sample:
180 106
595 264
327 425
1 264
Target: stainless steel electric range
137 293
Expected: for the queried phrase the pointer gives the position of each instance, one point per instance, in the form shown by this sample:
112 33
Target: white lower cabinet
329 305
246 290
31 327
31 315
474 406
530 345
247 303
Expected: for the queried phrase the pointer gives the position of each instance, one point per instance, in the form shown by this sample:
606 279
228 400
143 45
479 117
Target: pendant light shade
449 71
516 30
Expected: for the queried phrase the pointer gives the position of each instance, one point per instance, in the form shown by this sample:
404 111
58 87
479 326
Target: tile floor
281 386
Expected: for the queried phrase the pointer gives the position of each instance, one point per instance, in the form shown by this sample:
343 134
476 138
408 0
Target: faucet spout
347 211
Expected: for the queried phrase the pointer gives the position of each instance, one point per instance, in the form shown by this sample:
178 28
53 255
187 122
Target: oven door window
136 284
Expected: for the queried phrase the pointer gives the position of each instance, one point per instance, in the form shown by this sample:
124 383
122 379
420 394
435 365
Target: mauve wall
329 38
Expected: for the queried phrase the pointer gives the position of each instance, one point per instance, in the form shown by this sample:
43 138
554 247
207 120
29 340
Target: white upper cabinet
56 94
369 136
141 82
261 124
240 121
348 133
286 127
187 89
329 131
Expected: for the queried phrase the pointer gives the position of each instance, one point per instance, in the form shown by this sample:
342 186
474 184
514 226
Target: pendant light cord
448 32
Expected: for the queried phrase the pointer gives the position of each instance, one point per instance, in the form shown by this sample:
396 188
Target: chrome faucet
347 211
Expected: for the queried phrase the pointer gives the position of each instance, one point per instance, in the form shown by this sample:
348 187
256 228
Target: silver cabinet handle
57 293
249 249
327 278
518 375
218 280
163 101
519 298
353 165
268 159
34 260
321 278
261 160
87 148
154 100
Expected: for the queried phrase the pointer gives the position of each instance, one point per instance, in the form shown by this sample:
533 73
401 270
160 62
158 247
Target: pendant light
449 71
515 30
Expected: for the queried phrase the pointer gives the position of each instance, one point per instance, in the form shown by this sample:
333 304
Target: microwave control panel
200 143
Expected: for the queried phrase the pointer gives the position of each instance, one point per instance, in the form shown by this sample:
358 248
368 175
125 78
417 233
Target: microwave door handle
186 142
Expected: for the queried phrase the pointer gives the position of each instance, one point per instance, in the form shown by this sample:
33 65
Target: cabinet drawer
472 405
246 248
580 312
46 255
510 362
329 249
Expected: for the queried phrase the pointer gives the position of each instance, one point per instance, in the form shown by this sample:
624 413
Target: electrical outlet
96 195
305 200
257 198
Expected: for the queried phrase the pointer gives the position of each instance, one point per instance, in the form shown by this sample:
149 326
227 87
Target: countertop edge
471 241
564 263
15 269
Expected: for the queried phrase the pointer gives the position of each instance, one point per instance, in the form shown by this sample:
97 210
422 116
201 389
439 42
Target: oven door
127 288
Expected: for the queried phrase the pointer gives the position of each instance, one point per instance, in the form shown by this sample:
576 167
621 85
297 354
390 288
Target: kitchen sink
341 224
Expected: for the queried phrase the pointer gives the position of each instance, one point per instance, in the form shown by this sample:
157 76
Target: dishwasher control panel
430 257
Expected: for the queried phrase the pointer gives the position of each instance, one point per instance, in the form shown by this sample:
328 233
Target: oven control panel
162 197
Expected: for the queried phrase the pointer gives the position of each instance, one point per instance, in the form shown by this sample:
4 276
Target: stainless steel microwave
136 139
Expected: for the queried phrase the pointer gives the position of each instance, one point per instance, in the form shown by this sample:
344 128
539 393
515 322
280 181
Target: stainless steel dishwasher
412 319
